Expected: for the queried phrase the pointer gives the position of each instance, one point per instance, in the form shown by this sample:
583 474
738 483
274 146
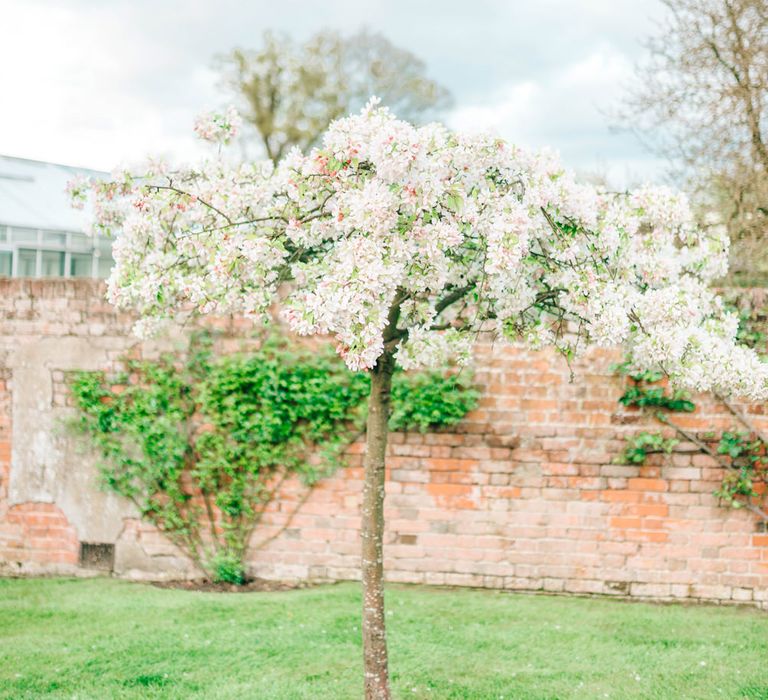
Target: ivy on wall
202 445
742 451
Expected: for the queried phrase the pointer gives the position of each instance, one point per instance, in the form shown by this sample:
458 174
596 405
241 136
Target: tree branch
743 418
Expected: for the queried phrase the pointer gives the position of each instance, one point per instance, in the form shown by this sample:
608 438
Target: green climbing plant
748 462
641 445
202 444
742 453
646 390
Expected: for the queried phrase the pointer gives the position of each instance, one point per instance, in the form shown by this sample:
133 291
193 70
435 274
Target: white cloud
97 82
71 86
504 114
564 110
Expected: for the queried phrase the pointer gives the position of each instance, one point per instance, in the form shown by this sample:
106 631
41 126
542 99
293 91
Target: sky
98 83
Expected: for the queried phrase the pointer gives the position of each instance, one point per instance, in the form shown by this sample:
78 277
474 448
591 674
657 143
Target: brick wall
523 495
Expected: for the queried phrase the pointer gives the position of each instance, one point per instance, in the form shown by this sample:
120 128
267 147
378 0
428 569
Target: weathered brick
524 494
640 484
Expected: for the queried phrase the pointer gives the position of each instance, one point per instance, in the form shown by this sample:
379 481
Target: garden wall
524 495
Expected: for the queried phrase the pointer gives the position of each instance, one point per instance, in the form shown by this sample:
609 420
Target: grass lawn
103 639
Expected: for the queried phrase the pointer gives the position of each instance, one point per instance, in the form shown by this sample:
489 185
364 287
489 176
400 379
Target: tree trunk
372 528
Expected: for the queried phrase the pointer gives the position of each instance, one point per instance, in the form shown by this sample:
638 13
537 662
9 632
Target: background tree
291 92
404 244
701 98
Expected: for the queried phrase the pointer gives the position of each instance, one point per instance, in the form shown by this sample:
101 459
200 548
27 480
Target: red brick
624 523
621 496
648 484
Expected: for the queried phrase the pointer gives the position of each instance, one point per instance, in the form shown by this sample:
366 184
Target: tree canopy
414 240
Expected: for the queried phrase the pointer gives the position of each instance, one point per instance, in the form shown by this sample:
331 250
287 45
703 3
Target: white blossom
393 238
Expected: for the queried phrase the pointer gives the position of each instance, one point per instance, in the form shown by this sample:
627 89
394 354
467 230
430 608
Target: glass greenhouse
40 234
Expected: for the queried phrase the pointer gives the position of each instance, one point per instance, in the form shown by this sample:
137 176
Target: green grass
103 639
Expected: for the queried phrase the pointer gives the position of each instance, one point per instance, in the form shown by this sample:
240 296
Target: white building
41 235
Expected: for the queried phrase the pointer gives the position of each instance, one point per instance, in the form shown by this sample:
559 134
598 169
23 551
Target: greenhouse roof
32 194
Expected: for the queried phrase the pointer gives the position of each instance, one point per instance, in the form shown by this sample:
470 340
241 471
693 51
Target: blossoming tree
404 244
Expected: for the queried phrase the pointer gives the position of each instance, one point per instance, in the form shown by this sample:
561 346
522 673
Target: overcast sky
100 82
